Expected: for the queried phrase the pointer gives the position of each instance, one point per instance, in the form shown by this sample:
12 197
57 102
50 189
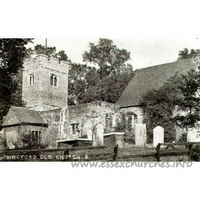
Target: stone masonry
45 83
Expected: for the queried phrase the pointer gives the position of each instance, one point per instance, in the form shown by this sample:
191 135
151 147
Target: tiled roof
26 116
150 78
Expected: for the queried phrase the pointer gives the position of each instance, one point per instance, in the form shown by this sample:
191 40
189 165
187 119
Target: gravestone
158 135
140 135
87 130
193 135
97 135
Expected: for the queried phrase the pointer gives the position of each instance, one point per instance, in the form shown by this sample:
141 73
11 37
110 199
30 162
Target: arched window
131 120
33 135
51 80
36 136
108 122
60 129
31 78
55 81
61 116
40 136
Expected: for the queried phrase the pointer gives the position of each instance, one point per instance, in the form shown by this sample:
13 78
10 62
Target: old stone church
148 79
47 118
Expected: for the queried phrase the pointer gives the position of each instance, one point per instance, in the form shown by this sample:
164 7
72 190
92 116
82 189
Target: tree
62 56
185 54
188 102
107 57
85 84
107 80
49 51
40 49
76 83
174 104
12 53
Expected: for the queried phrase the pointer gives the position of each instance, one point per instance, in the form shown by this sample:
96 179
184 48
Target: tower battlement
45 83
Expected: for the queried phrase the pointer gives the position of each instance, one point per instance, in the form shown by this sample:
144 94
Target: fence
99 153
163 152
173 149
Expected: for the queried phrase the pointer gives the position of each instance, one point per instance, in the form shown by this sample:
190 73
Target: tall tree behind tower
12 53
108 58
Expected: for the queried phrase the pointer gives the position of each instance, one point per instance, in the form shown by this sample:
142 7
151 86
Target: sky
144 52
153 31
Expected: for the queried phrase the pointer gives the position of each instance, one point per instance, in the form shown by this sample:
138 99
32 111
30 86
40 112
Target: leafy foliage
121 124
174 104
40 49
86 86
107 57
26 142
185 54
49 51
12 54
77 83
107 80
62 56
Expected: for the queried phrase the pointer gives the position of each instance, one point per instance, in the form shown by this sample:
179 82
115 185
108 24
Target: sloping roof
20 115
150 78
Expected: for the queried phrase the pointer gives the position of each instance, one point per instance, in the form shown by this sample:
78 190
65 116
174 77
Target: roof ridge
150 78
158 65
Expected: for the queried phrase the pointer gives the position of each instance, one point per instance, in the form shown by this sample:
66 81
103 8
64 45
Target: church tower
45 83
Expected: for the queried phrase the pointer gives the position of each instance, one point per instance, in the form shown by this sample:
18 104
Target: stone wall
91 113
135 110
1 139
54 126
40 94
94 111
14 135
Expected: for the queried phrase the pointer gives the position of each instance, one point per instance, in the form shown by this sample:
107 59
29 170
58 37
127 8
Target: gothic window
31 78
60 129
53 80
108 122
33 135
131 120
40 136
36 136
61 116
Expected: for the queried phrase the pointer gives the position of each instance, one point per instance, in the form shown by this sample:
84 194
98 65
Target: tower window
31 78
53 80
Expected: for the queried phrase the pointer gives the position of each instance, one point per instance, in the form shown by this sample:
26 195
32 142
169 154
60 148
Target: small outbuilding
24 128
